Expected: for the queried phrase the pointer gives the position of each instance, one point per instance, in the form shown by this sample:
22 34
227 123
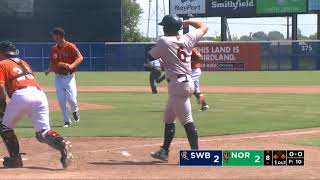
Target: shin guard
11 142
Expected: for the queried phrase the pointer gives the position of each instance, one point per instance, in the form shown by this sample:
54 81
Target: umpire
155 74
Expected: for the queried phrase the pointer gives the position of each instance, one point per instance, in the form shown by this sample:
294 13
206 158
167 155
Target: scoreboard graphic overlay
241 158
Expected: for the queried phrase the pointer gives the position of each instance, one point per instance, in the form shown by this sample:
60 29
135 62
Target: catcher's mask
9 49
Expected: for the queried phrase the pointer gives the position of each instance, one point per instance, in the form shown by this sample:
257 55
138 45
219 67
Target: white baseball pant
179 104
196 73
66 90
29 101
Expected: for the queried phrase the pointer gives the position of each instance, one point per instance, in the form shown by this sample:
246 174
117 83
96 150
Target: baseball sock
200 98
192 135
169 132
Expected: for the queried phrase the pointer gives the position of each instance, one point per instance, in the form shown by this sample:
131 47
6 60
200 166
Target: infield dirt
128 158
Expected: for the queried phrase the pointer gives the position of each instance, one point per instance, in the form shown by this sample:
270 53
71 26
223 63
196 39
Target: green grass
308 142
140 114
208 78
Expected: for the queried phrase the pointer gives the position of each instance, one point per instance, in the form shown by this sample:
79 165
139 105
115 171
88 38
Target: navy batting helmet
171 23
8 48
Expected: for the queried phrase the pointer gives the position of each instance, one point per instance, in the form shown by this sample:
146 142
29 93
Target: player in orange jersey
27 99
196 73
67 53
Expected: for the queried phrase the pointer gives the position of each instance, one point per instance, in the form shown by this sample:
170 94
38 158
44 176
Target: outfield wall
226 56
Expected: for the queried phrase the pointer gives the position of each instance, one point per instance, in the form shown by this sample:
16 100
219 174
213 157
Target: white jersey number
181 54
22 78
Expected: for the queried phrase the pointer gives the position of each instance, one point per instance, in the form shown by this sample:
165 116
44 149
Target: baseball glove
63 68
196 56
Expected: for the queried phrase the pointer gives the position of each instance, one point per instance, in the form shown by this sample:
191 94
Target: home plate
23 159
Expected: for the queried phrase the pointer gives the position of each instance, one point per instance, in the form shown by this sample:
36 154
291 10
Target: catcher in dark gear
27 98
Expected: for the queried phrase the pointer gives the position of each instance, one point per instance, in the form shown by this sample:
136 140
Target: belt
24 87
69 73
180 76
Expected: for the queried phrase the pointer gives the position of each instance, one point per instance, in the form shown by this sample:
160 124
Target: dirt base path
207 89
128 158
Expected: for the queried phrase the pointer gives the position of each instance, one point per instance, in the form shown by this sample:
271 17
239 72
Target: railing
284 55
38 55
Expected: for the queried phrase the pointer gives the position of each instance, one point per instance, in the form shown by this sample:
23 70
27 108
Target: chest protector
25 71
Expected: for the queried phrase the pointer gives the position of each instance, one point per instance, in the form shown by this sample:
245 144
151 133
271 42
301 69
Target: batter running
175 51
65 58
27 99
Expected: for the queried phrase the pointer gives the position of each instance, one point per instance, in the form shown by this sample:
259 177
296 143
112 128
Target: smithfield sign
185 7
231 8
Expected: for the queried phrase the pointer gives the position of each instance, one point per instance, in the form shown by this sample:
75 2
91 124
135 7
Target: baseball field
121 123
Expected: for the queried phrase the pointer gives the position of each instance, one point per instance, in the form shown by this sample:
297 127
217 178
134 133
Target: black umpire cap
8 48
171 22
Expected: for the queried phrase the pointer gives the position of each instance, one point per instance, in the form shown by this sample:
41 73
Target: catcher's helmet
8 48
171 23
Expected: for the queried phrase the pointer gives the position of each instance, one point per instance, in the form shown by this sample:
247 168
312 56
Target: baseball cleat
16 162
161 155
76 117
204 108
66 155
67 125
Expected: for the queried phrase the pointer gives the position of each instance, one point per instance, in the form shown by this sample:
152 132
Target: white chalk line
23 159
208 140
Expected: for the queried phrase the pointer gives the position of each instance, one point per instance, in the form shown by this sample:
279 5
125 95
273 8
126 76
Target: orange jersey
195 65
9 70
195 54
66 54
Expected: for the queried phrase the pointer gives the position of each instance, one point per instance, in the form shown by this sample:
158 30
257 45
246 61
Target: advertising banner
186 7
314 5
281 6
231 8
231 57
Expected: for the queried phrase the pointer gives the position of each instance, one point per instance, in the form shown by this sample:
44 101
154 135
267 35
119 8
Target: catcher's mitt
63 68
196 56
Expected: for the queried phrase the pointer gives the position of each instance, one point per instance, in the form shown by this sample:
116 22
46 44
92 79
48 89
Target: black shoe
204 107
160 154
76 117
67 125
10 162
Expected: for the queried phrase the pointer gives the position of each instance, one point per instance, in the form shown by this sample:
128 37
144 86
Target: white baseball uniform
30 102
175 52
66 87
196 73
66 90
26 96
